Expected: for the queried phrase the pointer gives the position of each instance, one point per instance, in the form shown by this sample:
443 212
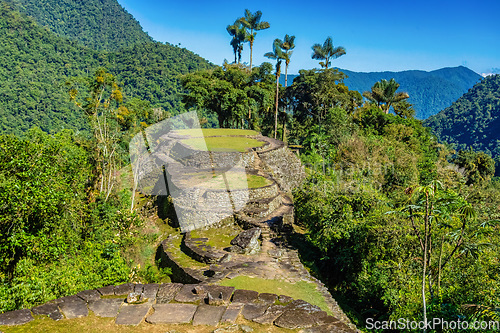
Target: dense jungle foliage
36 64
100 25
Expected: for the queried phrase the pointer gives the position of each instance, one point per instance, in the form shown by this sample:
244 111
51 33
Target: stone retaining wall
284 166
179 273
198 249
175 303
191 157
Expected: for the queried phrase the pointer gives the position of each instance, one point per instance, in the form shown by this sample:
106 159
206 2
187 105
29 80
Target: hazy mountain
430 92
474 119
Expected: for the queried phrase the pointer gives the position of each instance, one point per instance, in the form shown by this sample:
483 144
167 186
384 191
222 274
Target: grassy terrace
219 238
223 143
235 179
217 132
300 290
220 139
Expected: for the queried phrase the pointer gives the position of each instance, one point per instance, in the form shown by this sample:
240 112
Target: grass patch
218 237
235 179
216 132
223 143
300 290
94 324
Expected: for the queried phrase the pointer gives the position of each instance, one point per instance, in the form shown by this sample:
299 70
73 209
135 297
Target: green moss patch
236 180
223 143
301 290
217 132
219 238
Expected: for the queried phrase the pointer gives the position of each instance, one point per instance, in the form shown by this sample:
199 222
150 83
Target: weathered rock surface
17 317
74 309
167 292
232 313
124 289
187 294
51 310
245 296
107 307
89 295
252 311
132 314
273 312
247 242
208 315
107 291
297 314
172 313
150 291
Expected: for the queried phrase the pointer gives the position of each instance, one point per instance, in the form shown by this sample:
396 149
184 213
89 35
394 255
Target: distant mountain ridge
430 92
473 120
98 24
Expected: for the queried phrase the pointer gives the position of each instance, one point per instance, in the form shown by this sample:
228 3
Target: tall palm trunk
276 111
251 50
283 137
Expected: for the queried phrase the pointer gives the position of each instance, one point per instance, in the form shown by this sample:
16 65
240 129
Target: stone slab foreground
208 315
175 313
189 306
107 307
74 309
132 314
17 317
50 310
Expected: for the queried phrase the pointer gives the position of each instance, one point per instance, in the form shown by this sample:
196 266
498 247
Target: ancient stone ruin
235 214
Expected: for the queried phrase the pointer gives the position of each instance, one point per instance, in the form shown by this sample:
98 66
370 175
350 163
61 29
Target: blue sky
378 35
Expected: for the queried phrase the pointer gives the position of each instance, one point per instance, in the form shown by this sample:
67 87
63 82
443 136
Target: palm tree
239 34
327 51
383 93
252 22
287 45
278 55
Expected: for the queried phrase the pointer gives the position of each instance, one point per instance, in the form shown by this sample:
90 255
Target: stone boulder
247 242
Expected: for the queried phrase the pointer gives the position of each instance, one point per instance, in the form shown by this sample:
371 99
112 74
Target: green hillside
430 92
474 119
98 24
36 63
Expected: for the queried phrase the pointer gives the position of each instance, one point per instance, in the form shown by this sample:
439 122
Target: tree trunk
426 236
286 76
251 49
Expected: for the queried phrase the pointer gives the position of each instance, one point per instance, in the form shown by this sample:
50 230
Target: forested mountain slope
474 119
98 24
430 92
35 64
